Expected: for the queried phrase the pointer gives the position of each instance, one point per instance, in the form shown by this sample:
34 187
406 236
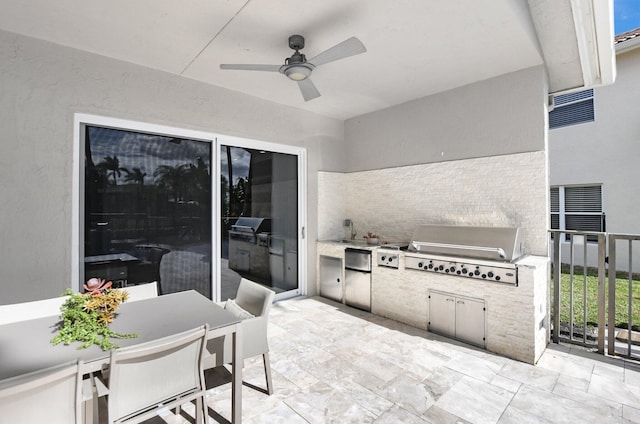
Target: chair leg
267 372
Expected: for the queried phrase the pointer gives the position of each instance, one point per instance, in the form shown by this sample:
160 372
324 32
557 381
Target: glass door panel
259 219
147 209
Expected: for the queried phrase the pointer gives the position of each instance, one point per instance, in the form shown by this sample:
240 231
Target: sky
626 15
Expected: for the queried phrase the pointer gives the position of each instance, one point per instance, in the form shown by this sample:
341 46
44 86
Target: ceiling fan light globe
297 73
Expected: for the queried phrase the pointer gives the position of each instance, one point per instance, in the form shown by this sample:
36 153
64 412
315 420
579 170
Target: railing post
611 338
556 286
601 292
630 311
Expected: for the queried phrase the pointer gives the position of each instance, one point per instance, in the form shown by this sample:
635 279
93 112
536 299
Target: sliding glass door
147 209
260 218
186 209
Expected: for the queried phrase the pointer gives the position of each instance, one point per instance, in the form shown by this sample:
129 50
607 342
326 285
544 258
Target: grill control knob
464 270
497 278
476 272
430 266
484 275
441 267
384 258
420 264
452 269
458 272
490 274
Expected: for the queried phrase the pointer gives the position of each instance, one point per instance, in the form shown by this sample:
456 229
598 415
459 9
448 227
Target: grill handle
418 244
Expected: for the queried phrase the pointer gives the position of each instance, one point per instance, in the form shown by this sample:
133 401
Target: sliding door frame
301 154
77 231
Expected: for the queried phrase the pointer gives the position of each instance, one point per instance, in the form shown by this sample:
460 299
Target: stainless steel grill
494 243
486 253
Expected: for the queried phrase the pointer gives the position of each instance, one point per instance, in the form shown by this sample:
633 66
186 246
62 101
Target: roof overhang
628 41
578 57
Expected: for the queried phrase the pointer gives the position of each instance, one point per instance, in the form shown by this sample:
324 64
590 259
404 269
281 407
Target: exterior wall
44 84
606 152
498 116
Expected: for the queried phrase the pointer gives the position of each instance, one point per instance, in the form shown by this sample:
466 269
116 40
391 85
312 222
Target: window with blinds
571 109
577 208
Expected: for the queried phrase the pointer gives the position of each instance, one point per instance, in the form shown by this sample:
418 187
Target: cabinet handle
449 300
461 301
338 280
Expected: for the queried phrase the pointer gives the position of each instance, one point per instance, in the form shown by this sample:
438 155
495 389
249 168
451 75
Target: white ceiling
414 47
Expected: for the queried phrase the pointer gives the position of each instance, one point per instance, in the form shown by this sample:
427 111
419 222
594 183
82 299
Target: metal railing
569 330
573 273
613 347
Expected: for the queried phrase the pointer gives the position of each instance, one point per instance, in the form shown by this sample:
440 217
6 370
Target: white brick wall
332 205
509 190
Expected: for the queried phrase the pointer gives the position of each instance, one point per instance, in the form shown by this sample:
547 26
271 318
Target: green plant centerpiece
85 317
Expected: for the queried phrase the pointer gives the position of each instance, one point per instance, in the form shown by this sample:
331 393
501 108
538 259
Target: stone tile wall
509 190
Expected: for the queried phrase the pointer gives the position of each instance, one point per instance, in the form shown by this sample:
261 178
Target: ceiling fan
298 68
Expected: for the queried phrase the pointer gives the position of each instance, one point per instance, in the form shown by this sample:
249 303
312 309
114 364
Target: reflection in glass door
147 209
259 219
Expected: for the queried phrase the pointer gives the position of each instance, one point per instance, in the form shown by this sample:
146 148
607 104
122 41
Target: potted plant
372 238
85 317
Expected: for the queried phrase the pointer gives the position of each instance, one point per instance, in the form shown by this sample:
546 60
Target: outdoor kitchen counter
352 244
516 318
330 266
517 321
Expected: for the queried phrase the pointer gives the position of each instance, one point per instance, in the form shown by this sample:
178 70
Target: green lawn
622 299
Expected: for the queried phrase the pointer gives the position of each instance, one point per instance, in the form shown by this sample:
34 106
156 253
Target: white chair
52 396
31 310
157 375
252 305
142 291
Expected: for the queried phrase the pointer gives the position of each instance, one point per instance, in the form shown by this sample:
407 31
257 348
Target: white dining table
25 346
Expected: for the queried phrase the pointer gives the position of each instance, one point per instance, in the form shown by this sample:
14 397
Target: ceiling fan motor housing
296 42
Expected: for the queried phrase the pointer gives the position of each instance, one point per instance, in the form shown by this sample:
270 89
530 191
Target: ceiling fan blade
308 89
349 47
269 68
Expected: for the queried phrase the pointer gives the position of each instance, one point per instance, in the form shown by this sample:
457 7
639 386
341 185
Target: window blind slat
583 199
555 199
571 114
572 97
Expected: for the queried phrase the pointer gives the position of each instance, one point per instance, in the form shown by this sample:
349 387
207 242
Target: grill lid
252 225
495 243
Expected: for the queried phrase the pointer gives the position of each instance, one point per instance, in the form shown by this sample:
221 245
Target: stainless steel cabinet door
442 313
331 278
357 289
470 319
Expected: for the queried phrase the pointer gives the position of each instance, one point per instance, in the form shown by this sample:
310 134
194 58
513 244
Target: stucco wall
42 85
498 116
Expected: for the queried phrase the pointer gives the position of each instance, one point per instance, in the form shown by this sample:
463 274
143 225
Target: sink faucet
349 231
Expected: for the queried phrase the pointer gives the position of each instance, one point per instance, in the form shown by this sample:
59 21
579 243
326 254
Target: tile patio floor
332 363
